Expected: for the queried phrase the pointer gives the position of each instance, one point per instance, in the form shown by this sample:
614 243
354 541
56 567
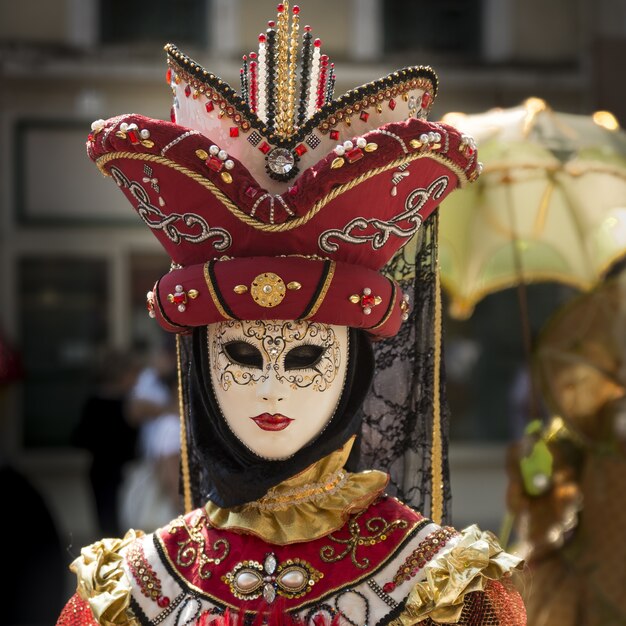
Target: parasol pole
522 297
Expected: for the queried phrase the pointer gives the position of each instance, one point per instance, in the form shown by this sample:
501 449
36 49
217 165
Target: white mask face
277 382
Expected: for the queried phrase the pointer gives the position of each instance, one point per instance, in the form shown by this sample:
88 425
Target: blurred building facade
75 260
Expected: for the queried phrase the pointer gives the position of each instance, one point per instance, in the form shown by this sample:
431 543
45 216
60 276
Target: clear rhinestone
270 564
280 161
269 593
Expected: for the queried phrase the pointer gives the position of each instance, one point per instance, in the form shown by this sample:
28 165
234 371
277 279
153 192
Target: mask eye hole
243 353
303 357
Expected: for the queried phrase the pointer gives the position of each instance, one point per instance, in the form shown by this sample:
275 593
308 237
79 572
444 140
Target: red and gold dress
324 547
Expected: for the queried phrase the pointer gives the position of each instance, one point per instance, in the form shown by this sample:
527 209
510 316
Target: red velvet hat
280 202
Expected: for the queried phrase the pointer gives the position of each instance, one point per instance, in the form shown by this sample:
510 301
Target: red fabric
76 613
184 180
336 307
357 560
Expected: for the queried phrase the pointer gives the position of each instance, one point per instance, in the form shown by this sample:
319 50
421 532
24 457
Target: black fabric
398 414
222 469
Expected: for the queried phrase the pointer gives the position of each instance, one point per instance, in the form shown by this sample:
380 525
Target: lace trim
306 493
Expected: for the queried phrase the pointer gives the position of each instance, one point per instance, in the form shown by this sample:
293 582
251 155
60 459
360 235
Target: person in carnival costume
299 228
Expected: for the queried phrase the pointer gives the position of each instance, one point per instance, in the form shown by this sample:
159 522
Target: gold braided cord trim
303 219
211 288
390 308
324 291
184 452
436 450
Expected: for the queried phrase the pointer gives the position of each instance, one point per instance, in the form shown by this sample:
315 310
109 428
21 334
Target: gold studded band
322 290
220 305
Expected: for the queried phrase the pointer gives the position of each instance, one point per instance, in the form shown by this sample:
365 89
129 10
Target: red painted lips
272 422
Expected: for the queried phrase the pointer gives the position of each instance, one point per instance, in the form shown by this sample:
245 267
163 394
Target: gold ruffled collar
309 505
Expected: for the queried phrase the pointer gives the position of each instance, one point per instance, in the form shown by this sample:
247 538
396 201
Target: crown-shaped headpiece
281 202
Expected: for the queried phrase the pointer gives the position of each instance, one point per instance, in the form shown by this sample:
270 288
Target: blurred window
446 27
63 321
183 22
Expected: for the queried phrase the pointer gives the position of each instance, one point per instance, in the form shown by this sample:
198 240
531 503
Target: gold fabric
467 566
102 582
307 506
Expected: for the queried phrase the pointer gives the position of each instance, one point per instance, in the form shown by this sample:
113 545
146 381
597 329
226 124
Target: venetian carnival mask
277 383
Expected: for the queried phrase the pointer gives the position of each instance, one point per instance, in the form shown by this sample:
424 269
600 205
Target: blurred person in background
105 431
149 496
36 561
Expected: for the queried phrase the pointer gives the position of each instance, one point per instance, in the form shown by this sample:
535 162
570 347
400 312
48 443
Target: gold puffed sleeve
102 582
472 565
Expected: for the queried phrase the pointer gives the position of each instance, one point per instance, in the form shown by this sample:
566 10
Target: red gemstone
300 149
425 100
354 155
324 59
253 55
133 135
262 38
179 297
163 601
334 135
271 23
90 136
296 9
364 115
215 164
368 301
265 147
168 75
317 43
188 91
209 106
245 57
234 131
389 587
251 192
307 29
280 8
392 104
173 115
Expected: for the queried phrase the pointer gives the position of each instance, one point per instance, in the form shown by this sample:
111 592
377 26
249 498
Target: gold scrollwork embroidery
193 549
378 529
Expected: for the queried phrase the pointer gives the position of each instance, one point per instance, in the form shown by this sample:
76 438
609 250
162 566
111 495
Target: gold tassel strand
184 452
436 456
293 58
282 67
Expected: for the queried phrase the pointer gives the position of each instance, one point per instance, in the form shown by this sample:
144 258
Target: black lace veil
399 413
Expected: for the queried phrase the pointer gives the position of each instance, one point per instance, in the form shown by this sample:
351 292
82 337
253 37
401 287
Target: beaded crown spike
286 109
269 79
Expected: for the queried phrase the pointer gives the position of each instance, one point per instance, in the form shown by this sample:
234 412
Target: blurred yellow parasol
549 206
